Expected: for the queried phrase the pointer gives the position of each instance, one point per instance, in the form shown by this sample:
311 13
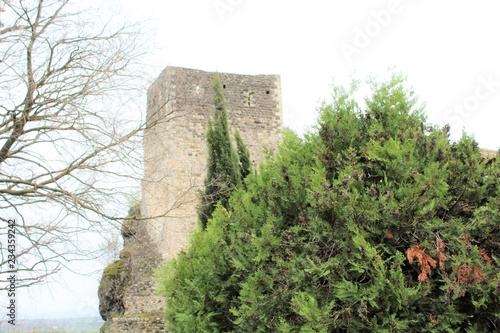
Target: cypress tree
243 156
223 174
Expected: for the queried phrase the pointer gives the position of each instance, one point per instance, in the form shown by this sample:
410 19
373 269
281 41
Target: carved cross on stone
249 100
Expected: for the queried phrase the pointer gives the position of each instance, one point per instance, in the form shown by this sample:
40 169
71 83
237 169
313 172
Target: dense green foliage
223 172
375 222
243 156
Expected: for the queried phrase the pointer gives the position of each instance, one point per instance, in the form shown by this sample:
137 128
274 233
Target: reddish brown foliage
473 273
485 256
425 262
440 253
466 274
433 319
466 239
388 234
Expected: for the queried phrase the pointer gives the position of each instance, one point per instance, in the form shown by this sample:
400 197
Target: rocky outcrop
127 292
112 289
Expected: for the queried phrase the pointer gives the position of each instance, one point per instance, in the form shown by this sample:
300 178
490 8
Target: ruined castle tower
180 102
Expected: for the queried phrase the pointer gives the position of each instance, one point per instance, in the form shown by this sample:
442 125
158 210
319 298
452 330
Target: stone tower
180 102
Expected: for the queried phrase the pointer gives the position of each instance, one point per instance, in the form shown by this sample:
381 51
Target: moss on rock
111 289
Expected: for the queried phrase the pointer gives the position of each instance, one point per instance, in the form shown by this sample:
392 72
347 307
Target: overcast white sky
448 49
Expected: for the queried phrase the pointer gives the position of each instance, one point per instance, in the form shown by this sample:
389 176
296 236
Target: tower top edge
174 69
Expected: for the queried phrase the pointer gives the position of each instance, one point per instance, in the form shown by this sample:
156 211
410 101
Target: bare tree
69 139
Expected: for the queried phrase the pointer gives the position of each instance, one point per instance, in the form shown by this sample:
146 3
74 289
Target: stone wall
135 324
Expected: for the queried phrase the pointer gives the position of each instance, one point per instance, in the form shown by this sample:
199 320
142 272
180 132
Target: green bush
374 222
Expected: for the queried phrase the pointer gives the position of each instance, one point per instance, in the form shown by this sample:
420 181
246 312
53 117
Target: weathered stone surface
112 289
129 227
147 323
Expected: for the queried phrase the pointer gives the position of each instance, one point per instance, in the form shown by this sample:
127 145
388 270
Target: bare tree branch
70 129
